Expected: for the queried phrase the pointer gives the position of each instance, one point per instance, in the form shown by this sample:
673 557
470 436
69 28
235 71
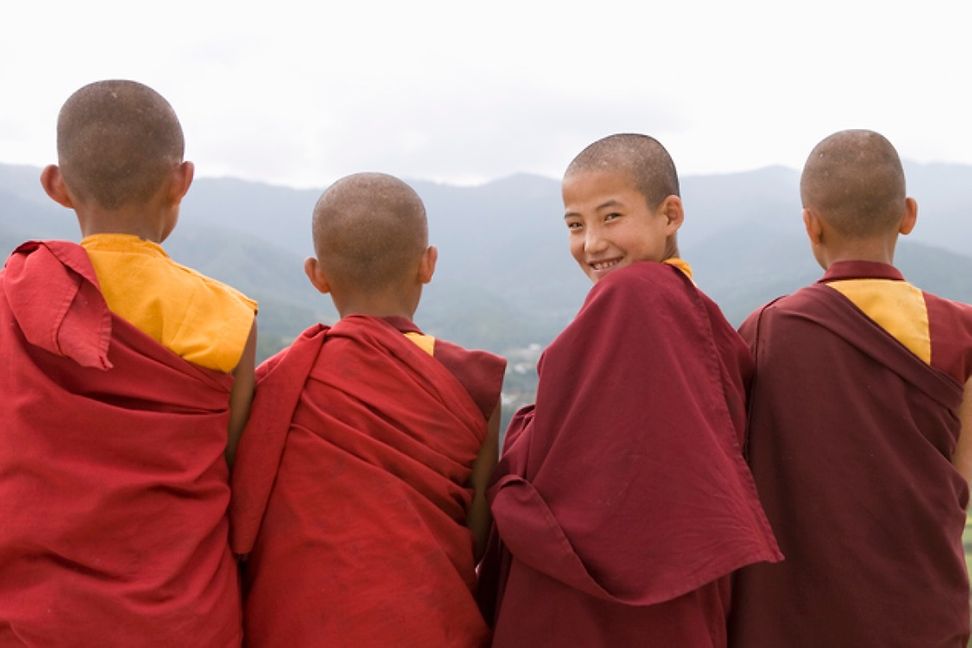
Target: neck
150 221
880 251
375 312
671 248
379 305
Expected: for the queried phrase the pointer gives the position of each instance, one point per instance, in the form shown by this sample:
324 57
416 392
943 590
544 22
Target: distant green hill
505 279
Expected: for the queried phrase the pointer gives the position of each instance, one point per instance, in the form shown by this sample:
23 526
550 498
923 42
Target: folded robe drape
350 494
622 499
113 485
851 439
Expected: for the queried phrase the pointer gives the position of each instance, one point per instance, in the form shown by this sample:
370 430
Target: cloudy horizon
299 95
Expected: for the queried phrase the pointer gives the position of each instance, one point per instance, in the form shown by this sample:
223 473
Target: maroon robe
113 484
622 500
350 490
850 441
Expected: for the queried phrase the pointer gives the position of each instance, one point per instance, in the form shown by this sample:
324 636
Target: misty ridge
505 280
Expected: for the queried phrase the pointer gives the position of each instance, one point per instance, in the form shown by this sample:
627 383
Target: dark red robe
350 490
113 485
622 500
850 441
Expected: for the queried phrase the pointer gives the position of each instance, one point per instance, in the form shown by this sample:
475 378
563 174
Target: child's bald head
370 231
854 181
642 158
116 142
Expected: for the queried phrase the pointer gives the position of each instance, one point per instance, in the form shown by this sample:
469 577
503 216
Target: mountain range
505 280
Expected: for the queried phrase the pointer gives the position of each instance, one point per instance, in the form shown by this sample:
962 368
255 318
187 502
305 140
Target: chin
597 275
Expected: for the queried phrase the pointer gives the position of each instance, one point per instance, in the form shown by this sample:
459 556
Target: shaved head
116 142
854 181
642 158
370 231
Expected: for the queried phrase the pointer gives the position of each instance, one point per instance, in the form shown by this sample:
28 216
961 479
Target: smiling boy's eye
573 225
611 216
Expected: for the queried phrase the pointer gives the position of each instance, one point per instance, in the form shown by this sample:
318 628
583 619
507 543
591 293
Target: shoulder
640 300
644 286
308 341
451 350
214 287
265 368
216 320
959 311
950 330
644 305
637 276
751 322
792 302
480 372
957 314
65 253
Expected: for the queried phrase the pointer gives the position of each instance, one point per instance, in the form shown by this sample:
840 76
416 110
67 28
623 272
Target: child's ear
427 264
674 213
910 217
315 273
53 183
813 226
180 181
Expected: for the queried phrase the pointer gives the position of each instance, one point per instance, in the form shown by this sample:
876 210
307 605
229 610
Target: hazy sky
303 93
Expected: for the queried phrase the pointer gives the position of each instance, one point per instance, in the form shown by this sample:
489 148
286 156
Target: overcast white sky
303 93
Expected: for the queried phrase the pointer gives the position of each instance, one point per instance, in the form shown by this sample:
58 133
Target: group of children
800 483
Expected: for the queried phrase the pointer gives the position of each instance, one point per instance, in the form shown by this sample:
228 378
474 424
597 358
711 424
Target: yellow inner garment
200 319
424 342
896 306
681 264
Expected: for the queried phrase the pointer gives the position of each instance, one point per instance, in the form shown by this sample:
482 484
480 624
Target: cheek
576 245
659 237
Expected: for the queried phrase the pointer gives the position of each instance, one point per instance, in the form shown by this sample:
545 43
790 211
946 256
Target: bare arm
962 459
479 519
242 393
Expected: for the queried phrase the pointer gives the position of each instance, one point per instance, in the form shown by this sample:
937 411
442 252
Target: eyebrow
609 203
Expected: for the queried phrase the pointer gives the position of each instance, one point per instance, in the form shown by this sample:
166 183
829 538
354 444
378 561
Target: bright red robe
622 500
113 485
851 438
350 491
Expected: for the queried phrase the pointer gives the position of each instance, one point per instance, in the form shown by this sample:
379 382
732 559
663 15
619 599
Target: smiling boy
622 501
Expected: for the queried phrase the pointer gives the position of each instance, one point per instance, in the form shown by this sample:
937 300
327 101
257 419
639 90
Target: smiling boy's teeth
604 265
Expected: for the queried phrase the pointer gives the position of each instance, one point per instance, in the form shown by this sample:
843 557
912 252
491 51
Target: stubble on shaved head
854 180
116 142
641 157
370 231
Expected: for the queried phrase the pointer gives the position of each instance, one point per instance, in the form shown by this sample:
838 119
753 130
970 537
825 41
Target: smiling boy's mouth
605 265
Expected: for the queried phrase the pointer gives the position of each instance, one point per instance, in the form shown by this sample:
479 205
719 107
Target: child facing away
126 379
860 428
622 501
359 490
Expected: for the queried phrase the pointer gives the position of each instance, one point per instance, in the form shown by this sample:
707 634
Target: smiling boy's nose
593 241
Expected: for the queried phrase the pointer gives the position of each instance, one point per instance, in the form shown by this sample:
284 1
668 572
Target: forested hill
505 280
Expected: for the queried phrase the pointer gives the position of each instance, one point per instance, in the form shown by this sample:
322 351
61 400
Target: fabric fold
872 413
115 488
626 482
53 296
351 499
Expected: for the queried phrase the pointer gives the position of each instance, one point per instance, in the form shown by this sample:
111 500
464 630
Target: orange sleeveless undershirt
200 319
896 306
